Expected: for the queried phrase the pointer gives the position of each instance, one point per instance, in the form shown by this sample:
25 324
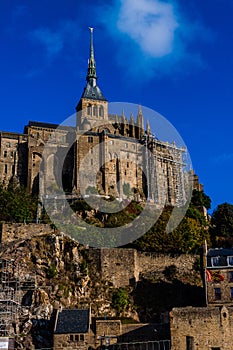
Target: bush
51 271
170 272
120 300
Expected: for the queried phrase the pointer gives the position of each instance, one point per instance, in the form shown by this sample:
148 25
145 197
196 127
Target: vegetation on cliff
17 205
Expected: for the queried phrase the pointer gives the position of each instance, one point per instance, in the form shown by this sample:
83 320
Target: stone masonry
199 328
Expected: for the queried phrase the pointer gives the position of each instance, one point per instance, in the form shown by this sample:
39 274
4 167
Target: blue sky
173 56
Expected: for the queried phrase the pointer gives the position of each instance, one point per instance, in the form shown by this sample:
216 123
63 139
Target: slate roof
32 123
93 92
220 252
72 321
43 125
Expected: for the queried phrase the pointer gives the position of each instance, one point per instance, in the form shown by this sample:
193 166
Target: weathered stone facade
103 153
12 232
209 328
13 157
123 266
118 266
71 341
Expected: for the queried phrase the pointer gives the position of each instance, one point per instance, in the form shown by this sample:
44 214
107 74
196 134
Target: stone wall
107 329
117 265
123 266
150 262
118 332
11 232
202 328
64 341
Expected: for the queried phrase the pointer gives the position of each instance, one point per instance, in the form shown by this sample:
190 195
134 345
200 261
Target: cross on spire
91 72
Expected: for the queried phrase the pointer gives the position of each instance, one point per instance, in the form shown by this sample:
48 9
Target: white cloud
155 36
150 23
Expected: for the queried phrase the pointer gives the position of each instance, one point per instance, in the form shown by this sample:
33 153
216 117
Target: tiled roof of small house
72 321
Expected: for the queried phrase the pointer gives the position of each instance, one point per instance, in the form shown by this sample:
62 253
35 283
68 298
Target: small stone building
72 329
219 277
202 328
210 327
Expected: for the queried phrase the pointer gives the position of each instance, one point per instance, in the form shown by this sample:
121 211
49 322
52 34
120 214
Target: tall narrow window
95 111
231 291
5 154
217 293
89 109
5 169
90 139
189 343
101 111
230 276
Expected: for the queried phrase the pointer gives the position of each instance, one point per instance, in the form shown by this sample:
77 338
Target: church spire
92 91
91 72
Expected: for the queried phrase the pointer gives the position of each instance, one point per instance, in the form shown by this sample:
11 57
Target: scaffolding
9 297
166 169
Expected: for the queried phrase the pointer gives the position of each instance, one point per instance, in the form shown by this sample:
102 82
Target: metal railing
149 345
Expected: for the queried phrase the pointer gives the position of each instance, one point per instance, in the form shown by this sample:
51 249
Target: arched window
101 111
89 109
95 111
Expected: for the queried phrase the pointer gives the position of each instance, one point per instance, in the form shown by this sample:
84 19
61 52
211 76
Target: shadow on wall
153 299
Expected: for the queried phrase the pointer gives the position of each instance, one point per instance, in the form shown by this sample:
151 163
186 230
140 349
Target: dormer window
215 261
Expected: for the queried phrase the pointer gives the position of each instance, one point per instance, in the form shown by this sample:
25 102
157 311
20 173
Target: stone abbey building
109 155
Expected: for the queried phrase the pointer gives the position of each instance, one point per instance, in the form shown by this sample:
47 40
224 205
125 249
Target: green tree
120 300
222 225
200 199
16 205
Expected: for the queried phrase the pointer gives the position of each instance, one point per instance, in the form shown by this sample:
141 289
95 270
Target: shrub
170 272
120 300
51 271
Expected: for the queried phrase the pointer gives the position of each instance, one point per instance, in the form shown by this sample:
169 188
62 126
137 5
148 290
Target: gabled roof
72 321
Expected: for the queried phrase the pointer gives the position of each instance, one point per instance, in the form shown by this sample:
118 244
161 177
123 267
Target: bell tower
92 106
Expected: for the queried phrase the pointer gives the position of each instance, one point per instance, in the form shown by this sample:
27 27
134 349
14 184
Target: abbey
111 154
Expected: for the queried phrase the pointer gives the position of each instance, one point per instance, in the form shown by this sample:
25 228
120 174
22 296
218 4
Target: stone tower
92 106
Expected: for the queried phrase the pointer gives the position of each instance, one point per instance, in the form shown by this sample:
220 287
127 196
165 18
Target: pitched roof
72 321
220 252
93 92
